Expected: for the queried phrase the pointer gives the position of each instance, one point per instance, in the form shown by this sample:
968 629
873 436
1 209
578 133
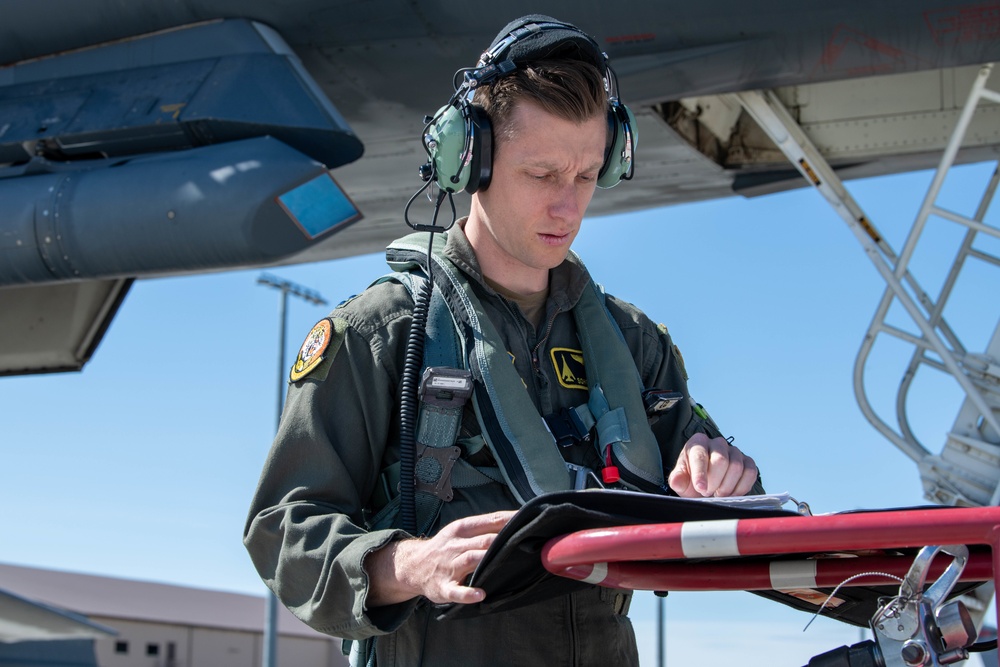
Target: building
161 625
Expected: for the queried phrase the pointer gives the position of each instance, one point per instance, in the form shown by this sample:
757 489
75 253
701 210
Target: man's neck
515 279
503 270
532 305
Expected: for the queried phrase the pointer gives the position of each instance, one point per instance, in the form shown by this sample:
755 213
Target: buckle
567 427
445 458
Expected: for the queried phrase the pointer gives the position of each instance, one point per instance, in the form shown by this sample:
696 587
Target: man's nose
566 202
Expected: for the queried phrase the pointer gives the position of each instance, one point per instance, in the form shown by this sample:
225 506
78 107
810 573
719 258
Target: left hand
712 467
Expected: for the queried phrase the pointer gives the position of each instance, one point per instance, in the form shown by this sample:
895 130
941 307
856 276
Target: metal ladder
967 472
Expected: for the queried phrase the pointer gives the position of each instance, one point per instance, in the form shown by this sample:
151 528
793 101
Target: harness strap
439 468
623 429
464 475
571 425
519 438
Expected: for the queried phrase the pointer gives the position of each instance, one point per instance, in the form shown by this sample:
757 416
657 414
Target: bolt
914 654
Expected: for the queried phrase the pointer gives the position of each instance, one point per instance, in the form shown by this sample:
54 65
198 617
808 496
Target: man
322 530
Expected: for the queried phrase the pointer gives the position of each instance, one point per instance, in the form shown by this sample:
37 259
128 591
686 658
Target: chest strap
439 468
517 435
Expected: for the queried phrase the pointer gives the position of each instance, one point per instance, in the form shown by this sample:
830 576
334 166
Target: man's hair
570 89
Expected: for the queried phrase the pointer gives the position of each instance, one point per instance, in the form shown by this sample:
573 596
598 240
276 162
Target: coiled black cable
413 362
409 409
409 401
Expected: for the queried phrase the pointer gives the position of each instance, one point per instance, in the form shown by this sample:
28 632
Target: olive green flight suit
306 531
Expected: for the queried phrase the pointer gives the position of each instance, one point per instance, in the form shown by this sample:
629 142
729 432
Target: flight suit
307 528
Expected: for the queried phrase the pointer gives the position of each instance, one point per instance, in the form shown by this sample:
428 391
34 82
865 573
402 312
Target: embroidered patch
568 364
311 352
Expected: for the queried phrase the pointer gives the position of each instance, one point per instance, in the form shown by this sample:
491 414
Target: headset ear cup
481 163
622 141
445 143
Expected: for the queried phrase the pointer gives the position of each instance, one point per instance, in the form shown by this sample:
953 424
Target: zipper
528 332
517 317
548 330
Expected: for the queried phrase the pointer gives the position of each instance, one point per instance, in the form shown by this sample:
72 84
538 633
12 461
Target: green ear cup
459 140
446 141
618 163
457 168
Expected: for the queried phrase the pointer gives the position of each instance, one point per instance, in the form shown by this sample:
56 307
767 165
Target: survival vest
460 333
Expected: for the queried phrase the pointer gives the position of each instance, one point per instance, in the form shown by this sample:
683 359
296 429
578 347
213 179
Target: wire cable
409 404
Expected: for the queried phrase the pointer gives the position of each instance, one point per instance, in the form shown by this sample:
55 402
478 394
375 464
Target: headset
459 144
459 137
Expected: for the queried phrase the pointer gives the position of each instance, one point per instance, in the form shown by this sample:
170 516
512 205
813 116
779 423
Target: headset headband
533 37
459 137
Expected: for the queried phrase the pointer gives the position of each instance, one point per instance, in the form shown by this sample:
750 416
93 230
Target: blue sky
142 465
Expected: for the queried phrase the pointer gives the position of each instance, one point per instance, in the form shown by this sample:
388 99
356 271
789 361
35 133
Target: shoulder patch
313 350
568 364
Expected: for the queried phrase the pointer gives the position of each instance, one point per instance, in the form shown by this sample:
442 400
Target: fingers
458 594
690 478
679 481
712 467
464 565
739 477
480 524
747 479
680 477
446 560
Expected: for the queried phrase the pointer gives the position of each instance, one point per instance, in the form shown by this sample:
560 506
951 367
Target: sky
142 465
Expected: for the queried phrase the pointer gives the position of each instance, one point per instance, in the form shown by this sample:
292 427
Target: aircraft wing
159 138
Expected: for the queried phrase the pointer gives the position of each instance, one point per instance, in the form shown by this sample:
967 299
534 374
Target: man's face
543 179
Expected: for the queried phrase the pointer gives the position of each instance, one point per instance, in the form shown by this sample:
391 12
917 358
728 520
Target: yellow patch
568 364
311 353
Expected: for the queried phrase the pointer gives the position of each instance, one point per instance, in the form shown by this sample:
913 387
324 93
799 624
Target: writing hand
712 467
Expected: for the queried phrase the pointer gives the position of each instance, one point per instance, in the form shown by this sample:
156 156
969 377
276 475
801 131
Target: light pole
270 652
661 629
